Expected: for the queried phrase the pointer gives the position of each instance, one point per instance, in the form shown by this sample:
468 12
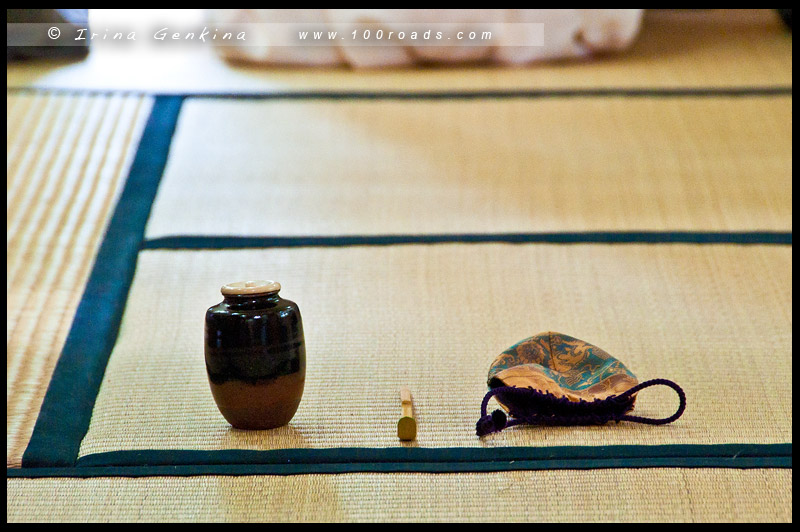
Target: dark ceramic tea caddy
255 355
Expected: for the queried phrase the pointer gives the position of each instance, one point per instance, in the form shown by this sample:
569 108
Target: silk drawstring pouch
555 379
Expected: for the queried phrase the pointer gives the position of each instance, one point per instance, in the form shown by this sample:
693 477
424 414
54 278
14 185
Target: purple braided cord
562 411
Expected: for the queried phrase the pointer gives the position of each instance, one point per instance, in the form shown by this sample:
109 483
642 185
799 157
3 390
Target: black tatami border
67 408
420 460
581 237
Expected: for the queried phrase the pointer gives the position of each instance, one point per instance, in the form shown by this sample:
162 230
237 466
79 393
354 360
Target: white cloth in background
568 33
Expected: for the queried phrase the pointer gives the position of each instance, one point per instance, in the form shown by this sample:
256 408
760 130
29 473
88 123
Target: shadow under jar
255 355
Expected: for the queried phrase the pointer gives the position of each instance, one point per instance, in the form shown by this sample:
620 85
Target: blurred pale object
568 33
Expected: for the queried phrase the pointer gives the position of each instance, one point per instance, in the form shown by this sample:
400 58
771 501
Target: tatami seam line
216 242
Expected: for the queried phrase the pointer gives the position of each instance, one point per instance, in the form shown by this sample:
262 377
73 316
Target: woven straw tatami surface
67 160
478 166
433 317
691 495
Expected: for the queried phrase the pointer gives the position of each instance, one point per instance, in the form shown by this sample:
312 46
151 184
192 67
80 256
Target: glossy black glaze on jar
255 359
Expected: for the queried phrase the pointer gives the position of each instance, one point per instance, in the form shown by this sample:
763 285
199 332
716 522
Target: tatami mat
477 166
675 49
434 317
67 156
641 495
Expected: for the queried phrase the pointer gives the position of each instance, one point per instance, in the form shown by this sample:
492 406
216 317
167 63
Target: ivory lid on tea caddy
259 287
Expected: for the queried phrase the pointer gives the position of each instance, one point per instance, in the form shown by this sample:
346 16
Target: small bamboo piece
407 426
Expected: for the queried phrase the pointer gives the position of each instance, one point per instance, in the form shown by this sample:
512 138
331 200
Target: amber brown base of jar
265 405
